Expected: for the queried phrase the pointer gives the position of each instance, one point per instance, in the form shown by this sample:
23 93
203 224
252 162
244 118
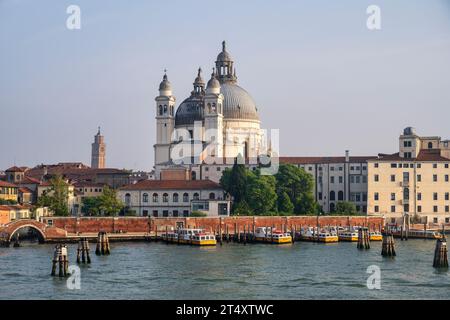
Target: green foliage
260 193
106 204
289 191
284 204
242 209
56 197
7 202
345 208
129 212
197 213
91 206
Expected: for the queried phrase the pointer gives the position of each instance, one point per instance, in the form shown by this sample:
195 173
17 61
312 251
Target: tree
109 204
260 194
91 206
197 213
242 209
284 203
298 185
8 202
345 208
56 197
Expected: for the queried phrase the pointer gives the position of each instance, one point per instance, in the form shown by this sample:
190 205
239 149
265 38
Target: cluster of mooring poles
60 259
440 252
388 245
61 256
83 251
102 244
363 238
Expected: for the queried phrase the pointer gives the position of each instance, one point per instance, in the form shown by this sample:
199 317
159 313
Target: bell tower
214 118
165 120
98 151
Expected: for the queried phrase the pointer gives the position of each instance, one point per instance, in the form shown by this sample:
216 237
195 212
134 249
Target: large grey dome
237 104
190 110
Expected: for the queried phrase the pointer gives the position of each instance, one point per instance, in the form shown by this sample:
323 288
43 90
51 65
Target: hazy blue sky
314 69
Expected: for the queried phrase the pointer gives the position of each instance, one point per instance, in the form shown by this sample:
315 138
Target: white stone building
175 198
217 121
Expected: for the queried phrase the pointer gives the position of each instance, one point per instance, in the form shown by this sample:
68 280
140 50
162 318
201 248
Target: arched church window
160 110
155 197
127 199
175 197
196 196
185 197
340 195
332 196
212 196
430 145
165 109
165 197
145 197
209 107
214 107
194 175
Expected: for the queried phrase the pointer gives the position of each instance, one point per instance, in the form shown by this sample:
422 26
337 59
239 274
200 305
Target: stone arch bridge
44 231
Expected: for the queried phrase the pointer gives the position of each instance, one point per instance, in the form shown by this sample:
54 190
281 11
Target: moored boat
350 236
375 236
327 237
266 234
419 234
194 236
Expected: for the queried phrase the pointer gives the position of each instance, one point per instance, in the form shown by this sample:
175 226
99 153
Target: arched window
341 195
127 199
160 109
332 207
209 107
145 197
430 145
212 196
175 197
196 196
332 196
194 175
165 109
185 197
155 197
165 197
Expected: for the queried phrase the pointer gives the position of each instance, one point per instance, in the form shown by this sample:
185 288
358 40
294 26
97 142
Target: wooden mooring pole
60 259
440 252
102 247
83 251
388 245
363 238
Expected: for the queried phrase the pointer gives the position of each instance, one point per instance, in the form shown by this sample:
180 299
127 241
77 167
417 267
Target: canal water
140 270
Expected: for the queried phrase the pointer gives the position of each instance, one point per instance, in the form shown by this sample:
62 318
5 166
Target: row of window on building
412 165
393 177
165 197
338 168
406 208
166 213
340 179
376 196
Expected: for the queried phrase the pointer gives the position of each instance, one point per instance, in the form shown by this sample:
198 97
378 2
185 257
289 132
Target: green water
233 271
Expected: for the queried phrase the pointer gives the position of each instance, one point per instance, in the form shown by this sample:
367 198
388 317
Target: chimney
347 156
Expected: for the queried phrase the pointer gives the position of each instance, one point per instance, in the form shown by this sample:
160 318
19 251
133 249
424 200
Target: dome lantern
224 66
213 84
165 88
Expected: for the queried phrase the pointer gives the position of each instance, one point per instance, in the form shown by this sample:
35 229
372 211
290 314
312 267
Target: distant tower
165 121
98 151
214 117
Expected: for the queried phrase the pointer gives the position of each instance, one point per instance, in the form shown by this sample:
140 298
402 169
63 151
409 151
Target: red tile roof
172 184
25 190
7 184
323 160
15 169
15 207
430 155
29 180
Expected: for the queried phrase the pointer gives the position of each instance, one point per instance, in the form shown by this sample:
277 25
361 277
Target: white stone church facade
216 123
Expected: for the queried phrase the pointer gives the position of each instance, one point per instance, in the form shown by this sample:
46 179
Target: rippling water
234 271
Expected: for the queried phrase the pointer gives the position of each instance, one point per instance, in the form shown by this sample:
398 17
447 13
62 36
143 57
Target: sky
315 70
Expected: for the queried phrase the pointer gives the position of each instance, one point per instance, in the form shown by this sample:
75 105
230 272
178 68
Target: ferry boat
265 234
327 237
351 236
190 236
375 236
308 234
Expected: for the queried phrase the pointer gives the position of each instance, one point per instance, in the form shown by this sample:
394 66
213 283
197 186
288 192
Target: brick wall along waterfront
144 224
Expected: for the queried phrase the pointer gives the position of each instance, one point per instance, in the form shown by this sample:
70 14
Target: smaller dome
199 80
213 83
224 55
165 84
